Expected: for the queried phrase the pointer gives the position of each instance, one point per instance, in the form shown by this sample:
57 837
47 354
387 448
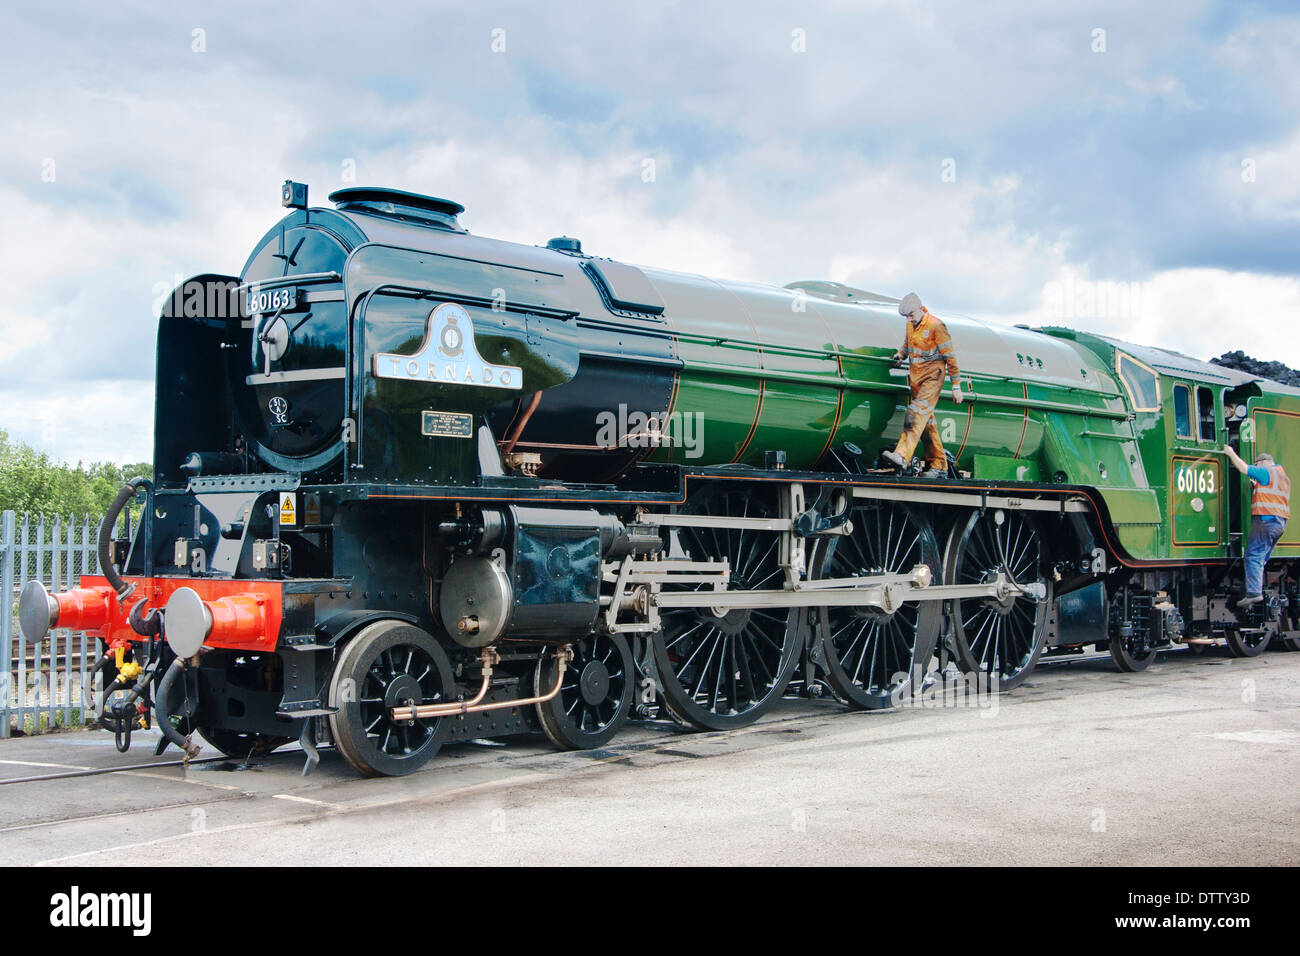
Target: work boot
1250 599
894 458
935 473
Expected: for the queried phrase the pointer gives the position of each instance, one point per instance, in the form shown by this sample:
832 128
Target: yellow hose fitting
131 671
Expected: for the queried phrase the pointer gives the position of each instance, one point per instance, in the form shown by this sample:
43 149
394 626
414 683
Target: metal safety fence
41 682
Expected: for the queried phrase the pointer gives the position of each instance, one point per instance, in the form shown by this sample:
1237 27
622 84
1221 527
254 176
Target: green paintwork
1040 407
1145 521
1273 425
1002 468
1200 505
774 369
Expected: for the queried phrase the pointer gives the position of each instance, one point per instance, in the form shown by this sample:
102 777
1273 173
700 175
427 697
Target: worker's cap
1264 458
911 303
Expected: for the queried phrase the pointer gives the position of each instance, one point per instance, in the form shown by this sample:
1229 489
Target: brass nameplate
447 424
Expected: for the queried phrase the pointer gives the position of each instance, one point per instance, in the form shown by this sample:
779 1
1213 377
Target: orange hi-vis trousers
918 424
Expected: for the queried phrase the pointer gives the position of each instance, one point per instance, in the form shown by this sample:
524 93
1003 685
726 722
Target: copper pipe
509 444
461 707
489 659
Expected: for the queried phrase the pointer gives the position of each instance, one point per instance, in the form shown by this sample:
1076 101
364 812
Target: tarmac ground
1193 762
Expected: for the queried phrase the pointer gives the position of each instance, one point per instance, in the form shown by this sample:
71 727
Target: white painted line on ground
297 799
305 818
107 815
1260 736
176 836
184 778
34 763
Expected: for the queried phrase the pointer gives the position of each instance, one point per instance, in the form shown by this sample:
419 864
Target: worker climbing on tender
927 349
1270 507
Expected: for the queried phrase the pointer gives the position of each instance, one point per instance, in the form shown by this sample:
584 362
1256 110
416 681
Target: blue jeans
1264 532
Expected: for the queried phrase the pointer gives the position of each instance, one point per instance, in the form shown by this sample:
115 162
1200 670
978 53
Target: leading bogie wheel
1130 655
595 693
723 668
1248 641
998 638
388 664
872 656
1128 659
1287 635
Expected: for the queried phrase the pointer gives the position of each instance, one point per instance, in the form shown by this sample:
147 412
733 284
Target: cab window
1205 408
1142 383
1183 411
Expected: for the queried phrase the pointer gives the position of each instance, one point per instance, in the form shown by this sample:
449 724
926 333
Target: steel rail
100 771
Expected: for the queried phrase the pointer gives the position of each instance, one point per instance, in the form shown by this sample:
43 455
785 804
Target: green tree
33 484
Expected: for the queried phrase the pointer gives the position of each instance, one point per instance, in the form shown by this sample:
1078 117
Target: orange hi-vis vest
1273 498
928 344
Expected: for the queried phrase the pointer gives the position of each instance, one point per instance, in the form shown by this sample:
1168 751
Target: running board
1067 505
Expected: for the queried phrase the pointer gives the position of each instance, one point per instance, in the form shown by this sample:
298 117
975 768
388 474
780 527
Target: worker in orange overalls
927 348
1270 507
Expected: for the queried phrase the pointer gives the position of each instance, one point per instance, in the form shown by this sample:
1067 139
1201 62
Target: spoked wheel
595 697
1287 640
1001 638
388 664
1248 642
871 656
235 743
1130 656
718 671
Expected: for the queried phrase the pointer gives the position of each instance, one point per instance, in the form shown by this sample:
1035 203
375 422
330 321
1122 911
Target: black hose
109 718
121 717
89 679
162 714
106 533
123 723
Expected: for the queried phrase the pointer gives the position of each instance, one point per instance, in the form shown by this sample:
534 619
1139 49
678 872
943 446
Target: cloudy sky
1131 169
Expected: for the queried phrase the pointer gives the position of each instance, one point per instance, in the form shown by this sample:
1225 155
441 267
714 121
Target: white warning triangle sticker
288 508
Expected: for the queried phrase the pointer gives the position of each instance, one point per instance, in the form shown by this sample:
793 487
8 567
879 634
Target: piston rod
886 592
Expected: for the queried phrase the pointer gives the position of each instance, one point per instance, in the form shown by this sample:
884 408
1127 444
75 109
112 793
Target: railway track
105 771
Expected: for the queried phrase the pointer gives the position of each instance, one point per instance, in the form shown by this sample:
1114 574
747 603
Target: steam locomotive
415 486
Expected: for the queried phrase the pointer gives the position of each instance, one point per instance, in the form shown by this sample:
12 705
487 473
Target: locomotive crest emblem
449 341
448 355
279 409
